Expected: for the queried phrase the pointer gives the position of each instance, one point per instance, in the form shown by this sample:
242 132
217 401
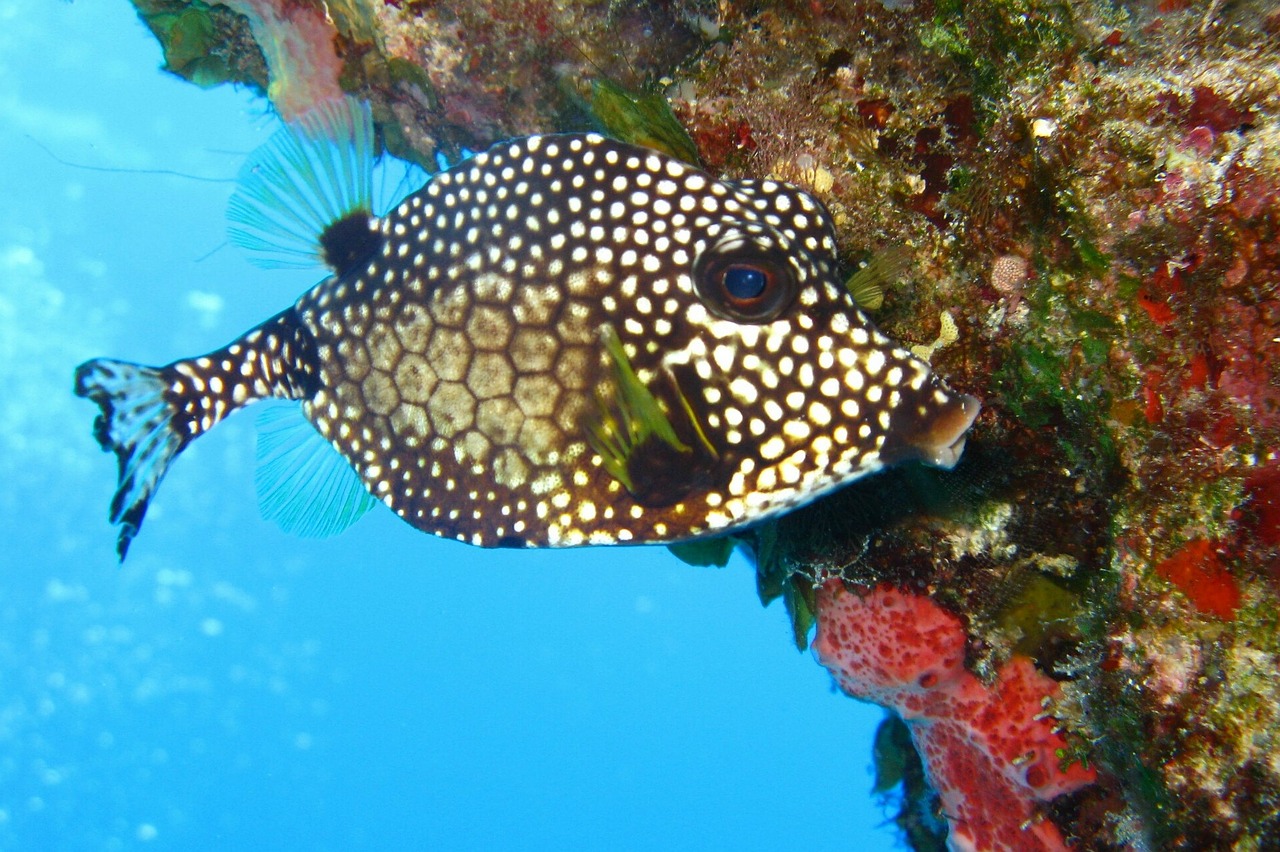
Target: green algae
997 43
705 552
353 20
1048 378
629 418
643 119
890 752
879 272
776 578
898 764
396 73
1042 611
203 43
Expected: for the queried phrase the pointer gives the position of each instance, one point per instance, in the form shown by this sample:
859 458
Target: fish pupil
745 283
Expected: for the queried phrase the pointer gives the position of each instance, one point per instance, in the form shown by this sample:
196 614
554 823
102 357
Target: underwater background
231 686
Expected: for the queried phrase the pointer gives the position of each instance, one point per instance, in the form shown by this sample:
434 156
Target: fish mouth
942 444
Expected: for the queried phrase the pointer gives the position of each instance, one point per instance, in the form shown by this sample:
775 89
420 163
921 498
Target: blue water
233 687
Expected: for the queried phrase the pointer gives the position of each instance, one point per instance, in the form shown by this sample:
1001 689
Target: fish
563 340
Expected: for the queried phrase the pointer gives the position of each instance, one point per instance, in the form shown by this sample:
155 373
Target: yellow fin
882 270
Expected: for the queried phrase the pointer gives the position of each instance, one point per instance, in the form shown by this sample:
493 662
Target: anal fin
304 485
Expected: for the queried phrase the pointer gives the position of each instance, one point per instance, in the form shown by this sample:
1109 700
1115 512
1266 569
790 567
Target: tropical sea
231 686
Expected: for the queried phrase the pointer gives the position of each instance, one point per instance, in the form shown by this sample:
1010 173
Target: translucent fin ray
882 270
309 175
304 485
393 179
135 423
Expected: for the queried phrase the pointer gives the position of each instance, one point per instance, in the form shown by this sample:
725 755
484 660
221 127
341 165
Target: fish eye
741 280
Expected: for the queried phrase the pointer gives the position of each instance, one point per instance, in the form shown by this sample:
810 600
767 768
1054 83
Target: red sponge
990 751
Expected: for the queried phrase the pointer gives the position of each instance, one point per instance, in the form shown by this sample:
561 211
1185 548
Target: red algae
1262 508
1198 571
1246 344
991 751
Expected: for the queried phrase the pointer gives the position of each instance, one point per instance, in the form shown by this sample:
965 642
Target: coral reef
1089 192
440 76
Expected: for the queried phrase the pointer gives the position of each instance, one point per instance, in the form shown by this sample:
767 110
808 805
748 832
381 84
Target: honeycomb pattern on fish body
459 371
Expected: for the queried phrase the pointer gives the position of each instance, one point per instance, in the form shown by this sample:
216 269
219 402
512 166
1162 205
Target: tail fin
135 423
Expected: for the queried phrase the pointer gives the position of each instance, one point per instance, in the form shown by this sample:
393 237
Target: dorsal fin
349 242
306 196
303 483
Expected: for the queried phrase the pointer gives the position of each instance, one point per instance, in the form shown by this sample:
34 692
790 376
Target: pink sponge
990 751
297 40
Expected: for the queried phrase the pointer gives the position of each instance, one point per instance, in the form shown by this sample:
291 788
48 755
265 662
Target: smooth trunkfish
563 340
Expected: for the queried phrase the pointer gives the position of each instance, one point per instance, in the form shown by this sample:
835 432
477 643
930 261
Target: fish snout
942 440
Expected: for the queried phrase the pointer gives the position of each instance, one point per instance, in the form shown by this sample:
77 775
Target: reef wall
1087 194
